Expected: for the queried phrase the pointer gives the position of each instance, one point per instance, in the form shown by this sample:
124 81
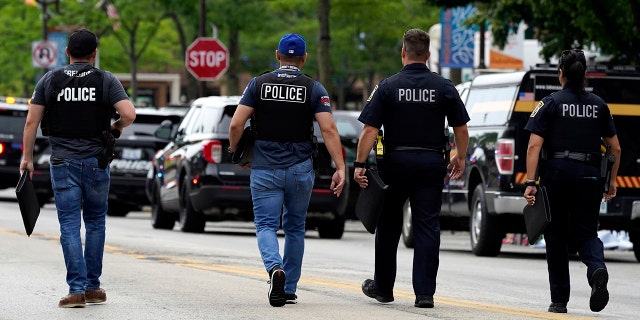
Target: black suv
134 152
193 180
490 195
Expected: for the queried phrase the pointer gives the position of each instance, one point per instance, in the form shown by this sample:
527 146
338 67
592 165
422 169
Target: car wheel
407 228
485 231
117 209
160 219
190 219
634 236
333 229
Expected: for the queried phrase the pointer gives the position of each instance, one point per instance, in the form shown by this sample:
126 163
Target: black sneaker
558 307
424 301
599 293
276 288
291 298
369 289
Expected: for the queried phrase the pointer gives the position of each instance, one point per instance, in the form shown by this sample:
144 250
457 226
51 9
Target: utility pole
201 33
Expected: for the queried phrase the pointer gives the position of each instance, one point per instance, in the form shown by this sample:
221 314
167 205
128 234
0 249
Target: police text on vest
283 92
77 94
416 95
579 110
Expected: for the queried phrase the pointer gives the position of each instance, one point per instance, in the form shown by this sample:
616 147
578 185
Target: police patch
325 101
372 92
535 111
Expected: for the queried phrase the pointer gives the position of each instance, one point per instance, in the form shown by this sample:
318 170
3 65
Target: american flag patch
526 96
325 100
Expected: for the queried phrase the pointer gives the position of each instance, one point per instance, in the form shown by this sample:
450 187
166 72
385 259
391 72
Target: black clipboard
244 150
371 200
28 202
537 216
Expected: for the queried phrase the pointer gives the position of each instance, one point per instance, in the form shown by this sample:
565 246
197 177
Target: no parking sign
44 54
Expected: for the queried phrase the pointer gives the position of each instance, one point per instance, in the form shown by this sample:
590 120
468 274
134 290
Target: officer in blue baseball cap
283 104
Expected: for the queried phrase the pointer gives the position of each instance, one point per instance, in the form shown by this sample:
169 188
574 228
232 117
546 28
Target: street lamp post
45 15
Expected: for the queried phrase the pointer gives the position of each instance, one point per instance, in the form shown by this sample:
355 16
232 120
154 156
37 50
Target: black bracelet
357 164
229 150
531 183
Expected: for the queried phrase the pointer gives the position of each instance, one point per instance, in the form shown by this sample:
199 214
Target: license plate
131 154
603 207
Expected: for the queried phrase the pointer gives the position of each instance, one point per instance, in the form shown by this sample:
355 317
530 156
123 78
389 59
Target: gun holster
606 166
108 142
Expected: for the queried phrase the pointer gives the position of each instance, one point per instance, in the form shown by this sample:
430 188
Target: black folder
244 150
28 202
371 200
537 216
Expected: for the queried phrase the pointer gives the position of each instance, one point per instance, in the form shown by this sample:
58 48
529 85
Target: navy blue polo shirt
272 154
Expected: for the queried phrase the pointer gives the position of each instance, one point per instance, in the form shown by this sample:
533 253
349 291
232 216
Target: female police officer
569 125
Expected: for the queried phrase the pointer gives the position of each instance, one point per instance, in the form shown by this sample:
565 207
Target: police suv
489 199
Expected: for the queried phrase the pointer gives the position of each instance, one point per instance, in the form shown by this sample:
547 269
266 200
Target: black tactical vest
77 107
284 112
576 125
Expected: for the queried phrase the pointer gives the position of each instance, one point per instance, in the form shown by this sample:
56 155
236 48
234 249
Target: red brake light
212 151
1 148
505 156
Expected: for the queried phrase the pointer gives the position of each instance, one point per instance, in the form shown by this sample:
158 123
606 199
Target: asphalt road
157 274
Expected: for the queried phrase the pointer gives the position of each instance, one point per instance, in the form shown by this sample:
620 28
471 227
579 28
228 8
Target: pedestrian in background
412 106
569 126
75 105
284 103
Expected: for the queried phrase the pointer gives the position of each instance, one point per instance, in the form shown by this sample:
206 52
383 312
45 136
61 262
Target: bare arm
457 162
236 127
29 136
127 113
616 151
334 146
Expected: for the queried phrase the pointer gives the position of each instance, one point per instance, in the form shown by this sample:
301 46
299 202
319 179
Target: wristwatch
357 164
531 183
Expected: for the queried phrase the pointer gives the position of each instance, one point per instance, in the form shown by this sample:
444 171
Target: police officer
75 104
284 103
569 126
412 105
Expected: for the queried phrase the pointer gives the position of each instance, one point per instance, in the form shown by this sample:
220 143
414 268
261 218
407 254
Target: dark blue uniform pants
575 193
419 177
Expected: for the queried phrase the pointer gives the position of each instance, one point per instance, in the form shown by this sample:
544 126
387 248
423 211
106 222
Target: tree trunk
324 58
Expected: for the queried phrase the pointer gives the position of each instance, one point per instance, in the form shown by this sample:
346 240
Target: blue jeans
81 189
282 192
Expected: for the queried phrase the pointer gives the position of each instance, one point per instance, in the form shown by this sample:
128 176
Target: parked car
192 180
489 197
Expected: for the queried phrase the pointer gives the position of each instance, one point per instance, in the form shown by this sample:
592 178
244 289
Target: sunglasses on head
568 52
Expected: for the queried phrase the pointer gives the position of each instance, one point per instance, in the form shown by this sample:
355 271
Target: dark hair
416 43
574 66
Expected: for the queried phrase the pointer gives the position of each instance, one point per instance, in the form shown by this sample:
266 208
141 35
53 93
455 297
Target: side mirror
164 130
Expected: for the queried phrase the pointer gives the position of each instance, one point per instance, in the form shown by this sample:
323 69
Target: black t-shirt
412 105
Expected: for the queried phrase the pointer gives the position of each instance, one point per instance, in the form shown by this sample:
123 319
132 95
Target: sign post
207 59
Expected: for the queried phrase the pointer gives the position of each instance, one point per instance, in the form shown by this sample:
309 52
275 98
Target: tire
485 231
634 236
190 219
407 227
160 219
117 209
333 229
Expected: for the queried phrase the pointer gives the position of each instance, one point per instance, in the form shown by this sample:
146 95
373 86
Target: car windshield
12 123
146 124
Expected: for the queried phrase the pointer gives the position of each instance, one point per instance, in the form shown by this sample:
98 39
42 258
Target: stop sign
206 59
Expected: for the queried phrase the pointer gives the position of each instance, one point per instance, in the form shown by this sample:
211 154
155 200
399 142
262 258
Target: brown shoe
95 296
72 301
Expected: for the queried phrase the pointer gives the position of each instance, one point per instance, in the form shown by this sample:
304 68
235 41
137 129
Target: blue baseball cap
292 44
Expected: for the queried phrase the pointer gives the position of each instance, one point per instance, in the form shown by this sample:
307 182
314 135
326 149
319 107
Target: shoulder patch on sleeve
535 111
372 92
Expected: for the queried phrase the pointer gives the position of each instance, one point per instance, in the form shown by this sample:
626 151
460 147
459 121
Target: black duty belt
408 148
578 156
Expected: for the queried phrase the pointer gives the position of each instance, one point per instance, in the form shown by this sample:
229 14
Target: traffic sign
207 59
44 54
